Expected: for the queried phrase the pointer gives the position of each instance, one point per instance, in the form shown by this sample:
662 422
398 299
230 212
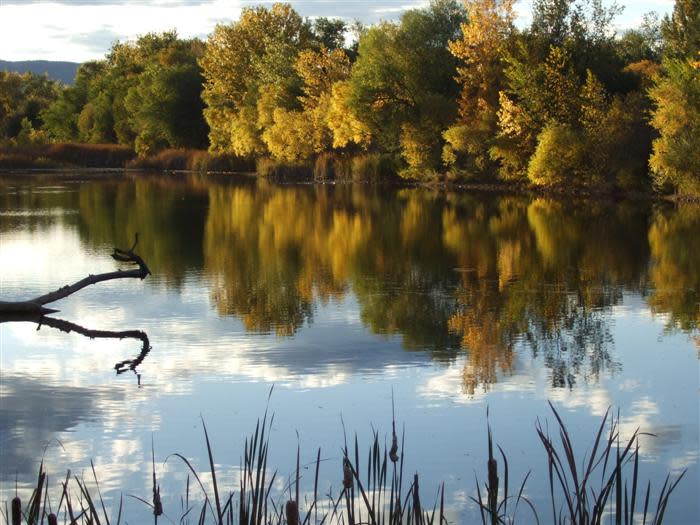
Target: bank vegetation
452 92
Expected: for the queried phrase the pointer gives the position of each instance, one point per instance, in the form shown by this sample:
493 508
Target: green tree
681 30
568 98
330 32
165 106
23 97
146 93
643 43
61 118
403 83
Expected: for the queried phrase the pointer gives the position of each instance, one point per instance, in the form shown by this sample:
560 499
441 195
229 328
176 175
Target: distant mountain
63 71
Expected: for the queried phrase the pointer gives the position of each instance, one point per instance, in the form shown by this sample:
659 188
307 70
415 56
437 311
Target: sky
80 30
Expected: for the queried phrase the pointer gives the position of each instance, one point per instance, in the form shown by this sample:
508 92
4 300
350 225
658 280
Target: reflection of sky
61 386
79 30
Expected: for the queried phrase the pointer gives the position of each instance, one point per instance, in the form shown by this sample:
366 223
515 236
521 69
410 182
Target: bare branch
36 305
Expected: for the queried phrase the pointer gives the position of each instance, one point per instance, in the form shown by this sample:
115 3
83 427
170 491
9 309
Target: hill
63 71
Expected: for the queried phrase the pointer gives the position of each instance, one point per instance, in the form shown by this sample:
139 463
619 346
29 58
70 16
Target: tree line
453 91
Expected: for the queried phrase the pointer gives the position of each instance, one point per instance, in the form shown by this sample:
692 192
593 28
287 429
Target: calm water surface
338 296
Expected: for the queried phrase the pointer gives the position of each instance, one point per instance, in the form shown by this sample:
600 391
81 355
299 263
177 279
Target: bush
169 159
204 162
464 153
91 155
558 156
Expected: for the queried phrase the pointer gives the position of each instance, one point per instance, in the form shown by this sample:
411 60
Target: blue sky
79 30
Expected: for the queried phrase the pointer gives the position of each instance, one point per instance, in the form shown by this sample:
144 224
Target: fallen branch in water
37 305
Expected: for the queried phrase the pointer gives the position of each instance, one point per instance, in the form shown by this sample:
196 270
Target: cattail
393 453
292 512
347 473
52 519
157 505
493 474
493 489
16 511
416 500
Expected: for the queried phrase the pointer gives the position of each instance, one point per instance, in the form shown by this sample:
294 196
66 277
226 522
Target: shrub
91 155
203 161
558 156
67 154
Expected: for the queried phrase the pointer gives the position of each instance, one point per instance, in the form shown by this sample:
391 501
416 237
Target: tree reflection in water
451 274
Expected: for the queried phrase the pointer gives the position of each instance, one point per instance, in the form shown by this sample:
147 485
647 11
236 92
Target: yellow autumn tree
244 61
676 158
342 121
297 135
484 40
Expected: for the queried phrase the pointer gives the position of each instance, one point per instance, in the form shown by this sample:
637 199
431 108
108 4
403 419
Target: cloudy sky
79 30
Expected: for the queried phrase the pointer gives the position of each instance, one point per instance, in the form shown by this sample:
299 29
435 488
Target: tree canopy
449 91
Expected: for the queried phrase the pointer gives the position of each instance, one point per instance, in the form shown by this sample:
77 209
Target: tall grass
192 160
282 171
493 507
377 491
117 156
65 155
587 500
365 167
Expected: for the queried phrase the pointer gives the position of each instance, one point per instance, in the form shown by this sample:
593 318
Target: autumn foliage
448 92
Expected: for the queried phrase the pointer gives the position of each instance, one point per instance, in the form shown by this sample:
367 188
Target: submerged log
37 304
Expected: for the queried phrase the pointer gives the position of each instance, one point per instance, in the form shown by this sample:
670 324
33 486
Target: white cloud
54 31
84 29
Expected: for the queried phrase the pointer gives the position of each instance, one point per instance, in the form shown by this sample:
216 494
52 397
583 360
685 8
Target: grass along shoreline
603 486
374 168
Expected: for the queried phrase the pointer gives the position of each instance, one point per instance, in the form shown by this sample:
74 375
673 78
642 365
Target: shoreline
505 188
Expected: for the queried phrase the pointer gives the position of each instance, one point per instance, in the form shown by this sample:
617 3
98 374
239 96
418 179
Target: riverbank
326 169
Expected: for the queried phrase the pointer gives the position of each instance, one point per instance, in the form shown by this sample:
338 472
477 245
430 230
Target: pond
342 298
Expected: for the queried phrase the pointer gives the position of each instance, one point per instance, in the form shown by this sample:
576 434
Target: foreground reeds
597 490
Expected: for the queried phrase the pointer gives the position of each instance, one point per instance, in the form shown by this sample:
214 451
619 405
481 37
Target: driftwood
37 306
35 311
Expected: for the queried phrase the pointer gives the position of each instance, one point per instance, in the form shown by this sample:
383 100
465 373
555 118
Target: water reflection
443 272
34 412
339 295
68 327
675 272
447 273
